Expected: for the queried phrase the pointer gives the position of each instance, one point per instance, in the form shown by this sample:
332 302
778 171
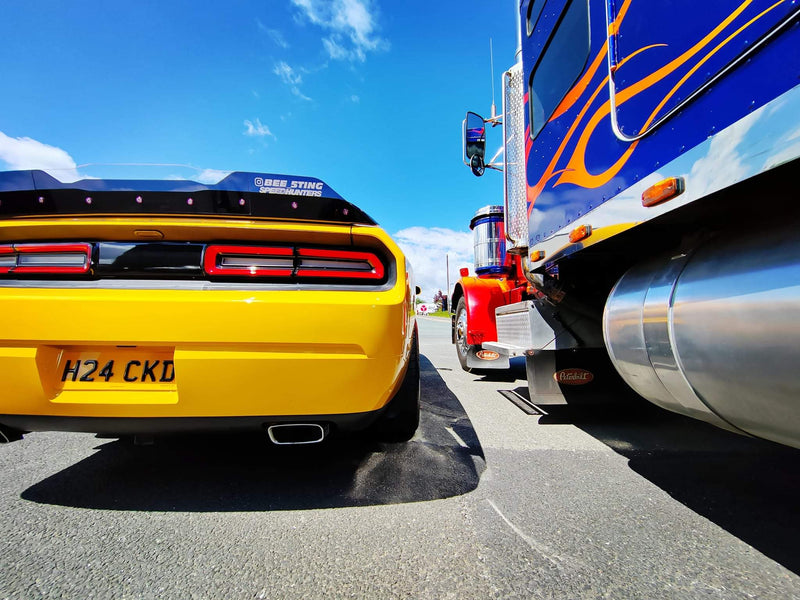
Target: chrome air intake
489 240
714 333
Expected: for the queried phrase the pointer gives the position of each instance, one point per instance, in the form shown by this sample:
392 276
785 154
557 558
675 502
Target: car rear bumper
121 426
239 356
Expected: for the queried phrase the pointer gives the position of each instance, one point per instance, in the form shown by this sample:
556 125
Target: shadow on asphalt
749 487
246 473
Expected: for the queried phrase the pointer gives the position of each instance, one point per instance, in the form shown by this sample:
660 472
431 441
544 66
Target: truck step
504 349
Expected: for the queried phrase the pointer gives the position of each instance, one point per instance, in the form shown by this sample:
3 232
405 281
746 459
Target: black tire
462 347
400 420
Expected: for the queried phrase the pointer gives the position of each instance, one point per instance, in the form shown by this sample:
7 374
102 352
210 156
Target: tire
401 419
462 347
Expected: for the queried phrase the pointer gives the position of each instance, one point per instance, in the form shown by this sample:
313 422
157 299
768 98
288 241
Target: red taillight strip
46 250
7 250
371 266
214 255
306 262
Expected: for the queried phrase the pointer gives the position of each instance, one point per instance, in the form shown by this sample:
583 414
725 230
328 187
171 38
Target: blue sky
367 95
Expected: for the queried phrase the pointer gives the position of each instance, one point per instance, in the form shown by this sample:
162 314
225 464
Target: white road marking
456 437
554 559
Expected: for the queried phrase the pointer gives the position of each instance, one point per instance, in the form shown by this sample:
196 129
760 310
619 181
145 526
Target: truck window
534 10
560 64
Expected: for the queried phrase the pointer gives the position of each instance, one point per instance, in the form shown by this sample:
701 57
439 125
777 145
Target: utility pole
447 259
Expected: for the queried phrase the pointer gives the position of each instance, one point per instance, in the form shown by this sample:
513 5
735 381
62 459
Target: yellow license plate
116 368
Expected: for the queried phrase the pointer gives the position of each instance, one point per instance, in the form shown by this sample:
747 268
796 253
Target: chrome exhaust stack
293 434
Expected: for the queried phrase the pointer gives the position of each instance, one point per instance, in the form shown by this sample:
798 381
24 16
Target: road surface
485 502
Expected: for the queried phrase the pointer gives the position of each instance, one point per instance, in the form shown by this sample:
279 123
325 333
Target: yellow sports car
135 307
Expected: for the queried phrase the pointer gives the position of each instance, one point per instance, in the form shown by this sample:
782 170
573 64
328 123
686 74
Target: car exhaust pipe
288 434
9 434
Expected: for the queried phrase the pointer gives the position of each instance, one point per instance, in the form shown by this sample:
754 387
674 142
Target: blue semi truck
650 228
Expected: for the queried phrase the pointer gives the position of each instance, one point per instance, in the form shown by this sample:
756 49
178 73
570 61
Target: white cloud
26 153
428 249
287 73
352 23
296 91
291 78
211 176
339 52
257 129
274 34
355 99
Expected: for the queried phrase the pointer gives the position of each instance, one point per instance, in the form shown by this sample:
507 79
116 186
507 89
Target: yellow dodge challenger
262 302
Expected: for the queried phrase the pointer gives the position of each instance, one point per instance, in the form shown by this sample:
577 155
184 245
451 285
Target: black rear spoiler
240 194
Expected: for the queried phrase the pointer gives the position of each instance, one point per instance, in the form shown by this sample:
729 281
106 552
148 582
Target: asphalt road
485 502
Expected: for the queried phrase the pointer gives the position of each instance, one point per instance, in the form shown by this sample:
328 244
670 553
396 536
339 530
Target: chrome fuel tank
714 333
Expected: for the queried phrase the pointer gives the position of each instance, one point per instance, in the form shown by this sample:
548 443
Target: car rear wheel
400 420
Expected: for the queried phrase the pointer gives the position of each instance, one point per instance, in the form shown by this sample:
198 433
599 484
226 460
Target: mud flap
473 362
574 376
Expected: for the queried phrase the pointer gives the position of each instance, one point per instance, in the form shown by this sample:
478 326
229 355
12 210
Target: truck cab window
534 10
560 64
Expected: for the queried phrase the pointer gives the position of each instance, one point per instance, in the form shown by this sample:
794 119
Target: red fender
482 297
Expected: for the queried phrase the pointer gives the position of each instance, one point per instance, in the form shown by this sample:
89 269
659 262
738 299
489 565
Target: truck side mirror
475 142
477 165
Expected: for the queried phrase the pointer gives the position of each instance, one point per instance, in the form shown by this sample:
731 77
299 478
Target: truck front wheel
462 347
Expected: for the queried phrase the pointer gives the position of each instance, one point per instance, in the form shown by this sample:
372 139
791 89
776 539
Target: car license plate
116 367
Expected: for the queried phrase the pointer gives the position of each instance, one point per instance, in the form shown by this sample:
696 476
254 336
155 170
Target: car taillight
339 263
296 263
53 259
249 261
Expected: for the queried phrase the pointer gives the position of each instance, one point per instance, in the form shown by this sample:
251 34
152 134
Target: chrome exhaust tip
9 434
292 434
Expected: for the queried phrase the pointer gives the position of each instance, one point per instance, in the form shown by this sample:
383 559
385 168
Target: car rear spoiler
240 194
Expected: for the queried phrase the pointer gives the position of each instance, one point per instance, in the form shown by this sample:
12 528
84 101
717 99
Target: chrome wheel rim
461 333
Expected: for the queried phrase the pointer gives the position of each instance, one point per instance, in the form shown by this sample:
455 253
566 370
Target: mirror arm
495 121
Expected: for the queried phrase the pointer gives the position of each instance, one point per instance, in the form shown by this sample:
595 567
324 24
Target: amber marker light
580 233
537 255
662 191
